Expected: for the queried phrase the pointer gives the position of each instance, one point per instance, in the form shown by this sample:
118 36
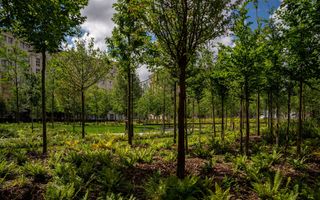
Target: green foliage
173 188
6 169
219 193
111 180
208 166
265 160
298 163
240 162
113 196
36 170
271 189
61 192
7 133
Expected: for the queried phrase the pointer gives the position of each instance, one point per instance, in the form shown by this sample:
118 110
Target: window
10 40
38 62
37 70
4 63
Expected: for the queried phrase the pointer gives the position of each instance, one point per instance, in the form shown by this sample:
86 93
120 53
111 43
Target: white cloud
99 20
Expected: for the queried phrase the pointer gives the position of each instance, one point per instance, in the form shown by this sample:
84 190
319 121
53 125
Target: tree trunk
164 110
269 110
186 126
226 117
222 118
241 125
175 113
129 108
82 113
17 92
32 125
258 114
199 119
193 115
278 122
43 99
271 115
52 104
247 118
288 118
213 115
300 118
181 119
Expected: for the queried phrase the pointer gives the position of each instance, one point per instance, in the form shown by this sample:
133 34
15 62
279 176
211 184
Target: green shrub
265 160
36 170
240 162
113 196
7 169
208 166
298 163
271 189
219 147
7 133
173 188
62 192
219 194
111 180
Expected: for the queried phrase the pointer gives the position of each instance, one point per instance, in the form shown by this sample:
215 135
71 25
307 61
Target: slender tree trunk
52 105
199 119
300 118
17 92
269 110
247 119
175 112
258 114
241 125
222 118
186 125
132 103
129 108
181 119
278 122
288 118
193 115
213 115
82 112
271 115
31 114
43 99
164 110
226 117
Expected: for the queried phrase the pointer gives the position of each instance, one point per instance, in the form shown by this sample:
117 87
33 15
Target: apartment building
34 60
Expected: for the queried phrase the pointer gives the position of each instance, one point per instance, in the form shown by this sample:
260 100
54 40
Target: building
34 60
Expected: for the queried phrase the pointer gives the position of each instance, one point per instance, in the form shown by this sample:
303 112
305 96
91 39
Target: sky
99 22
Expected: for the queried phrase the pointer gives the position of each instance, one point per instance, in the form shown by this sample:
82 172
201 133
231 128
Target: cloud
99 20
143 72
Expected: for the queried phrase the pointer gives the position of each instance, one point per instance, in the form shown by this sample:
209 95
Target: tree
33 93
81 67
45 25
181 27
126 43
17 65
300 20
244 61
221 78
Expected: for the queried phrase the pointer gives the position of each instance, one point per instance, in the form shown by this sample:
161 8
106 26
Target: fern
219 193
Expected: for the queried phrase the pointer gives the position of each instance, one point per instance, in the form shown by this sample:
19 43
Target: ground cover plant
104 166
